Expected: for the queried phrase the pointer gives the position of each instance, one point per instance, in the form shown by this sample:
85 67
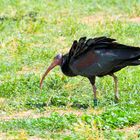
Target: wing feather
79 47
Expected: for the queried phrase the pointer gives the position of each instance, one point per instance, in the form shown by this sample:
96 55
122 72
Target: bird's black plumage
110 57
99 56
93 57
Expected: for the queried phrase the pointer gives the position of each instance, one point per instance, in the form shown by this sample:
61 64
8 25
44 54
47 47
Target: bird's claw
95 102
116 99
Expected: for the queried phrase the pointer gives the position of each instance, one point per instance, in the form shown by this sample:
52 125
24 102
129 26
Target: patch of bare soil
17 115
98 18
35 138
2 136
22 135
136 19
130 129
131 133
47 113
89 20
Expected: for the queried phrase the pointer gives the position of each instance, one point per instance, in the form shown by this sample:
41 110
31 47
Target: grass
31 34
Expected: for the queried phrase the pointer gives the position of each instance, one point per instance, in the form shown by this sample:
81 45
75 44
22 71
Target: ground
31 34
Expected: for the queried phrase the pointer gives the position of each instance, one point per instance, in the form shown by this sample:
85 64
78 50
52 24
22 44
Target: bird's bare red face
57 61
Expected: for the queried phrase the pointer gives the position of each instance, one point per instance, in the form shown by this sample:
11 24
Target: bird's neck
66 69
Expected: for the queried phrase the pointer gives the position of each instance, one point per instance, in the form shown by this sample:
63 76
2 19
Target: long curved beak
53 64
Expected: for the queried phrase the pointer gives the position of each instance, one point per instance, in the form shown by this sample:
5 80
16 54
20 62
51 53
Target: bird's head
56 61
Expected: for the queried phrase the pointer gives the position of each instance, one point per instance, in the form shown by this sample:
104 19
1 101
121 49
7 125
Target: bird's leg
95 98
92 81
116 87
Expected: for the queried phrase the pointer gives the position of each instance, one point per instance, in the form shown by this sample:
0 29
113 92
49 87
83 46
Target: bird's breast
66 69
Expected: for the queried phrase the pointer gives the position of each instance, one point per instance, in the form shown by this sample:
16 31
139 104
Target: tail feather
136 56
131 54
135 63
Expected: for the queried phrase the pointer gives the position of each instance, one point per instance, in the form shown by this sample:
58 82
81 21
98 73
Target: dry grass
27 69
89 132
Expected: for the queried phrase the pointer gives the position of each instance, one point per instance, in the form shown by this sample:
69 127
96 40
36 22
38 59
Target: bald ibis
93 57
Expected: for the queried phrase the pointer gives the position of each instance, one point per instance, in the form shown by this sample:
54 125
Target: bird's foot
95 102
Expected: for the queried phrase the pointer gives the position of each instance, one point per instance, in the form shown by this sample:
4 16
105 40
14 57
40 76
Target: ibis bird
94 57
